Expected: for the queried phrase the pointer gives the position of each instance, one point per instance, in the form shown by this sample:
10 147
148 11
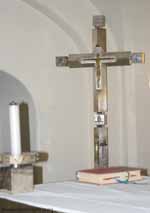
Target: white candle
15 138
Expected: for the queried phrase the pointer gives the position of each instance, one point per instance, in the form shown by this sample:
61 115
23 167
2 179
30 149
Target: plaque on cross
100 59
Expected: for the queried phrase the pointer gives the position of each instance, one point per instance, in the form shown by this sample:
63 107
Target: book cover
109 175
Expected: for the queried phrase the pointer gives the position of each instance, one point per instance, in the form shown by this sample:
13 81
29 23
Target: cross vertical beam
100 94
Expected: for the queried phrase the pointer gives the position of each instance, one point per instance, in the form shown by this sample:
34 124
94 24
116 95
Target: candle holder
16 174
16 168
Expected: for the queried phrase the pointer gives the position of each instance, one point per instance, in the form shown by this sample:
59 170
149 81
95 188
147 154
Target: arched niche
12 89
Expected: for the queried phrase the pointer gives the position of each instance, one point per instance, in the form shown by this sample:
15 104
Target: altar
75 197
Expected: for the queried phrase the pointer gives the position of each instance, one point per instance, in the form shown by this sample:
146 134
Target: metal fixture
99 59
16 167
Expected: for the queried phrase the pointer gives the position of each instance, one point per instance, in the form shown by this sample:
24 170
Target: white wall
13 90
33 32
29 44
129 133
136 100
138 34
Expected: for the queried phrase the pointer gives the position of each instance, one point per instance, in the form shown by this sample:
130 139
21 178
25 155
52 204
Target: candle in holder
14 117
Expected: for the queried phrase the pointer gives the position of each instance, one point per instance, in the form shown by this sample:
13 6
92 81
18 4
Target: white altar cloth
74 197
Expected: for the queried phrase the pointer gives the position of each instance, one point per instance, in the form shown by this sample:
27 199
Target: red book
109 175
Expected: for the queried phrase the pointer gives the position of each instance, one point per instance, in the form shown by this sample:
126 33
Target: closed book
109 175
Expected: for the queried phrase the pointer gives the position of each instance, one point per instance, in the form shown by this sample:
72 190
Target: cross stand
99 59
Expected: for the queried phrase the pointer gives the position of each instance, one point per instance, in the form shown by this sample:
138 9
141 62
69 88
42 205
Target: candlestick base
16 173
16 180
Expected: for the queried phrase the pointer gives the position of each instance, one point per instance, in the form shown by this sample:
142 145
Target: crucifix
100 59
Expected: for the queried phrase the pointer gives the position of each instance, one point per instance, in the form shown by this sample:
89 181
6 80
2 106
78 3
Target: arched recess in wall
77 35
12 89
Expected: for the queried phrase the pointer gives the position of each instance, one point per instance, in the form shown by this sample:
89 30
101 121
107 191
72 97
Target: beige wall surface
29 43
33 33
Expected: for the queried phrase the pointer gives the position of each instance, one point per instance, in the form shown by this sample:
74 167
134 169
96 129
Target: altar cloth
74 197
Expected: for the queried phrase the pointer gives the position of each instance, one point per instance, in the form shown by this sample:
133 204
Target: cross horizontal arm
109 58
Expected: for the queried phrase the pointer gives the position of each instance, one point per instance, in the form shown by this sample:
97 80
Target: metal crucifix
99 59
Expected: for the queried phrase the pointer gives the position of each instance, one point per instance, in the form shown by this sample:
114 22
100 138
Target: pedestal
16 180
